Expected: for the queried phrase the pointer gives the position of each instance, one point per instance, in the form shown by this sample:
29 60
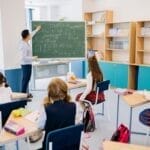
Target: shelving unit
125 47
120 42
142 43
120 51
143 54
95 30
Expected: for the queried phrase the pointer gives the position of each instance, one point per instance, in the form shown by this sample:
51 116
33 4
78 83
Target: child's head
58 90
95 69
3 80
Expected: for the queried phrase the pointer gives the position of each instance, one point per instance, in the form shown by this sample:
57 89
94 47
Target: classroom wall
1 45
124 10
72 10
56 9
12 23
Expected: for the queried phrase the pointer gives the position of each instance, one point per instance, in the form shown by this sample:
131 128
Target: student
60 112
5 90
26 58
94 76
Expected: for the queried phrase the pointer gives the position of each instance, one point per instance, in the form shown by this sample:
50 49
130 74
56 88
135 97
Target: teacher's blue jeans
26 76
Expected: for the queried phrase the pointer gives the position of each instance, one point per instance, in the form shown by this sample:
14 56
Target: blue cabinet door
108 70
116 73
144 78
121 75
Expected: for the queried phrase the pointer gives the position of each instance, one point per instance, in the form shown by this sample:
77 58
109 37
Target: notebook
14 128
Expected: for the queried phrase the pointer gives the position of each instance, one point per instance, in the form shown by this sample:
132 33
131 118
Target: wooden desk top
16 95
30 127
135 99
81 83
108 145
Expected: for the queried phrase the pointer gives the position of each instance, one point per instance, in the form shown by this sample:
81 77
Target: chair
101 87
7 108
144 118
65 139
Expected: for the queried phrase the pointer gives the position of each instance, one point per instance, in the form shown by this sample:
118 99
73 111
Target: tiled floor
105 127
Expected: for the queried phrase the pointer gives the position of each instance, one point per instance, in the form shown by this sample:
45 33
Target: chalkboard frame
69 57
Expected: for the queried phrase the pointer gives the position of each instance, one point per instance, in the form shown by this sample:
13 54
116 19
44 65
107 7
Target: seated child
59 111
5 90
94 76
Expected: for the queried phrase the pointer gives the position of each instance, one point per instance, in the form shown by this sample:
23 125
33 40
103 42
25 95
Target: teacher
26 58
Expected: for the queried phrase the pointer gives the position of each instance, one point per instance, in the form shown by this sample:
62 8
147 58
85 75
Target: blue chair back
103 86
7 108
65 139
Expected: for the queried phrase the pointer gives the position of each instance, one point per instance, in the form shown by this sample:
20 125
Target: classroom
74 75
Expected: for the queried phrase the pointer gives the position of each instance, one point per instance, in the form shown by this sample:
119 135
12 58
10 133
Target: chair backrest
65 139
103 86
7 108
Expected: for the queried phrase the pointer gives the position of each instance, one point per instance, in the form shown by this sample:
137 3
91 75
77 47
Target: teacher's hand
38 28
35 58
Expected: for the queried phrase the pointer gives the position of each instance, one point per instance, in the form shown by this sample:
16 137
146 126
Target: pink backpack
122 134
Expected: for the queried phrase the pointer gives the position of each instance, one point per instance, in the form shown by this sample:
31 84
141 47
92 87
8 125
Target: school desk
16 95
80 83
30 127
132 100
48 69
108 145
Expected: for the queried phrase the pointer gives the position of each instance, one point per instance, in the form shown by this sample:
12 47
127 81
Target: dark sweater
59 115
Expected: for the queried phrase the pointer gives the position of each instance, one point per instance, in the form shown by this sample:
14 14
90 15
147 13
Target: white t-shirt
88 86
5 94
26 51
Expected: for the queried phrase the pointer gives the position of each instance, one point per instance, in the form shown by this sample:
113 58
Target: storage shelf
117 36
143 36
95 29
144 51
111 23
96 23
113 49
95 36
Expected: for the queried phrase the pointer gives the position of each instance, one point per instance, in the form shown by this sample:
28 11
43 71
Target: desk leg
130 123
102 109
117 122
2 147
17 145
28 142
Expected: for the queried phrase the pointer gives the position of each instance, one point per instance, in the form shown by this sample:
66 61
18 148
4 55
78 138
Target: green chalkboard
59 39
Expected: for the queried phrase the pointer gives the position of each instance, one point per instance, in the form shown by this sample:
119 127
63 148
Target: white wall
1 44
72 10
69 9
124 10
13 21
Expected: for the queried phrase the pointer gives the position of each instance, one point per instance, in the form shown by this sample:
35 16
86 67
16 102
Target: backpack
122 134
88 119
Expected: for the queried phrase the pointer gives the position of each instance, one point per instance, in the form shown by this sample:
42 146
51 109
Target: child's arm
88 87
41 119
